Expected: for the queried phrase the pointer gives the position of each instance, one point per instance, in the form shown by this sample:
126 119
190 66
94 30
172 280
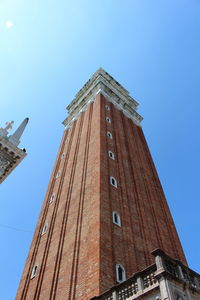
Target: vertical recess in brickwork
146 221
68 254
27 286
105 168
119 234
131 214
106 229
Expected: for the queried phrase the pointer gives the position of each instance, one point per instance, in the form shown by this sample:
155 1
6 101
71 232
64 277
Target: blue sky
150 47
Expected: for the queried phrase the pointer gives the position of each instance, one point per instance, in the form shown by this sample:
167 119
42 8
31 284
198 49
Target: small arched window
107 107
34 271
113 181
108 119
116 218
109 135
111 155
44 230
58 175
120 273
63 155
52 198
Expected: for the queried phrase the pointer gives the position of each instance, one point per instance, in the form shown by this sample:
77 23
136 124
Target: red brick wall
146 220
76 257
68 253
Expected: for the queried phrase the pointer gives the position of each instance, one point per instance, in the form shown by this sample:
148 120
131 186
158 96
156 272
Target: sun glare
9 24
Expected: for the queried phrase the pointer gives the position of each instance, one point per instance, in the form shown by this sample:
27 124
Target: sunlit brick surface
76 257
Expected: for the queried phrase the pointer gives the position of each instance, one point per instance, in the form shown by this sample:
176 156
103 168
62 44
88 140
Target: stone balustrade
147 280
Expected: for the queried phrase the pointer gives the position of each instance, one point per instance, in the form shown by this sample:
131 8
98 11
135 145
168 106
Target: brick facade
76 257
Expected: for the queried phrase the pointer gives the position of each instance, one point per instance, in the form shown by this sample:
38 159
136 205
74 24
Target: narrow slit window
34 271
58 175
44 230
120 273
107 107
111 155
116 218
53 196
113 181
63 155
109 135
108 119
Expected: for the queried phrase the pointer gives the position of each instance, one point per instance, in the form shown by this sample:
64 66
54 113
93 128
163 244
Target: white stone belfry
10 154
102 82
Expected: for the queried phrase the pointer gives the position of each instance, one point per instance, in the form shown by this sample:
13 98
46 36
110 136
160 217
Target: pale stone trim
52 198
109 135
108 120
10 157
44 230
113 181
58 174
102 82
118 222
34 271
117 273
107 107
111 155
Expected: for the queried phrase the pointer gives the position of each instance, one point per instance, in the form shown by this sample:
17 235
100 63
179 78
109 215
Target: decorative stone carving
10 154
160 281
3 165
102 82
4 131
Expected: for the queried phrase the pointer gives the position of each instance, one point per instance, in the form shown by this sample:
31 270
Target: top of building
10 154
102 82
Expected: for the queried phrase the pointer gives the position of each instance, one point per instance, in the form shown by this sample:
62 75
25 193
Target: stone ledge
102 82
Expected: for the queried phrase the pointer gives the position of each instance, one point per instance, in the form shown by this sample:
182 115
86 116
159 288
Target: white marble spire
15 137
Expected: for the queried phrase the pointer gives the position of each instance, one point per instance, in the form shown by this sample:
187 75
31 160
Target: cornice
102 82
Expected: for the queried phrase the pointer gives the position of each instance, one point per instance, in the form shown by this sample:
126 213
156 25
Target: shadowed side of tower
104 211
146 222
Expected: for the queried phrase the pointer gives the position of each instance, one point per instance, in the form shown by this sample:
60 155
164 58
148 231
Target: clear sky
48 50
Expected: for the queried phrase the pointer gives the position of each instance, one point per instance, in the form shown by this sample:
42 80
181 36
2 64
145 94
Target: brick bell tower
105 210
